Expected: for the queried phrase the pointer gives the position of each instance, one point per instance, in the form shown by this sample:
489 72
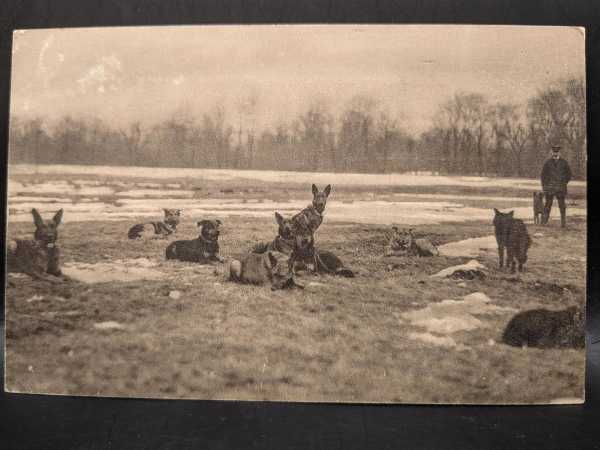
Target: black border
38 421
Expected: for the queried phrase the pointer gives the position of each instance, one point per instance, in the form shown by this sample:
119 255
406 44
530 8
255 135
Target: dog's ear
496 211
327 190
58 217
178 212
315 190
37 219
279 218
201 223
511 213
271 260
218 222
166 211
395 228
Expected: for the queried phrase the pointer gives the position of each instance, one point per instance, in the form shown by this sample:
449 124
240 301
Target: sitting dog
260 268
40 257
203 249
511 234
538 207
543 328
153 230
312 215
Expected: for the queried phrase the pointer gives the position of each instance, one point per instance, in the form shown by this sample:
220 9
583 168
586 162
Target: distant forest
469 135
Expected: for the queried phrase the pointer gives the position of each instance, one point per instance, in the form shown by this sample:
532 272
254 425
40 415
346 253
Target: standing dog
260 268
40 257
511 234
203 249
157 229
538 207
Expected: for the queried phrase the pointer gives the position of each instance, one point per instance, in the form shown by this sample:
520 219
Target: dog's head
320 197
210 229
46 232
172 216
281 270
302 233
502 220
286 226
401 239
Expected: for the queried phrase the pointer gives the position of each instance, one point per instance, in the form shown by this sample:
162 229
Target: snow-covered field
118 193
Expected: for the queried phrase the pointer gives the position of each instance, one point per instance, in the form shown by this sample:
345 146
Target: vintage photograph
313 213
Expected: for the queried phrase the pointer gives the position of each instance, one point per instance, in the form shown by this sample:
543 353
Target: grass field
338 340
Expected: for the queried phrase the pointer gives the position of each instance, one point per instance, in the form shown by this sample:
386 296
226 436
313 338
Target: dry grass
340 340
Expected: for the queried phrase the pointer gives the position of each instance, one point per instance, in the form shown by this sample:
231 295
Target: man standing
556 174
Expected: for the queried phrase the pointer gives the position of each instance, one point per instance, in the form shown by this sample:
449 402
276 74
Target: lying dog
403 243
153 230
297 242
38 257
203 249
260 268
538 207
294 240
543 328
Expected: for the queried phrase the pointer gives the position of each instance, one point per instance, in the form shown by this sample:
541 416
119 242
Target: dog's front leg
501 256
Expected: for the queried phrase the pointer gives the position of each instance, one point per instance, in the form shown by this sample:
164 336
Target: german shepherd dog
511 234
546 329
155 230
203 249
260 268
538 207
293 239
38 257
312 215
403 243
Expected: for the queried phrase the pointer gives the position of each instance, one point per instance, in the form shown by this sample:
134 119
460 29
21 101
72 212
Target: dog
203 249
312 215
261 268
543 328
153 230
403 243
38 257
294 239
538 207
511 234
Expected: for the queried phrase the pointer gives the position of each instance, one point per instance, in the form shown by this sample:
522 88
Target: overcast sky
147 73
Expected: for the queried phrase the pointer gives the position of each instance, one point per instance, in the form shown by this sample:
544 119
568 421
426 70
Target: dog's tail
135 232
329 263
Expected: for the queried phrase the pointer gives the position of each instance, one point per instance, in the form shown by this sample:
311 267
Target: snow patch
118 270
472 265
470 248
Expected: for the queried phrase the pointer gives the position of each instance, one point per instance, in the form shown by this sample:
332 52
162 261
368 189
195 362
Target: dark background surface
36 421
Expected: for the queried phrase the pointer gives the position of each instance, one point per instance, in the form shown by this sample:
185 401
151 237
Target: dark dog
546 329
511 234
538 207
312 215
39 258
260 268
203 249
150 230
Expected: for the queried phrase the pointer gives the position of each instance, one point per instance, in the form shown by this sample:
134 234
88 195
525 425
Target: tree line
469 135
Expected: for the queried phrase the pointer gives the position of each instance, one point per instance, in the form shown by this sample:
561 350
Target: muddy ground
355 340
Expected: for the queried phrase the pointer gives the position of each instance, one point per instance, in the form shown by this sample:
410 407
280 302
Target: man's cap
556 148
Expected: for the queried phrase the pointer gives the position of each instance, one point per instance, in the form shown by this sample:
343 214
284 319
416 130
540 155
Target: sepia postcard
312 213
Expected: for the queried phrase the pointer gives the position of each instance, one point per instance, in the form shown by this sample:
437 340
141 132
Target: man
556 174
